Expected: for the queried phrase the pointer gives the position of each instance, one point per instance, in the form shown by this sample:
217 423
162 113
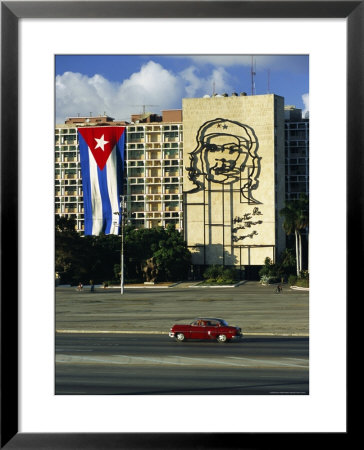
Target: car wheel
222 338
180 337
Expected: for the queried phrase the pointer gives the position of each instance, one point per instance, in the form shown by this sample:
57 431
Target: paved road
154 364
256 308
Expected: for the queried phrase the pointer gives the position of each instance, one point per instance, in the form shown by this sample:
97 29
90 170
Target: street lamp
122 226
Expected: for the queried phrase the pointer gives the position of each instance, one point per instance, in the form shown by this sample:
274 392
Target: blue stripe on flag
120 159
86 184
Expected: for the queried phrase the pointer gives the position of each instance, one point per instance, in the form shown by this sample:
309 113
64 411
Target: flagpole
122 207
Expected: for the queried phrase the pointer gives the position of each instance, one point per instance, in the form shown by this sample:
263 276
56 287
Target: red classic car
205 328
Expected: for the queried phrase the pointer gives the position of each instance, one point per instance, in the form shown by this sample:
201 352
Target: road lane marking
111 360
299 359
211 361
171 360
71 350
155 360
266 361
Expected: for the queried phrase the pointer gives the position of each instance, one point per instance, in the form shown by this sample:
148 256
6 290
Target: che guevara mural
225 153
229 195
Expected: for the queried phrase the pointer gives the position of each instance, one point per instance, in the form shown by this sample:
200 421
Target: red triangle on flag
101 141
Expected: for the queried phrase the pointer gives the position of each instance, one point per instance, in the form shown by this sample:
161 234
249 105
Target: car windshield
224 323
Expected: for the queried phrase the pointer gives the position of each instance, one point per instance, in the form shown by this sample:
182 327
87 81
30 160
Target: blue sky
119 85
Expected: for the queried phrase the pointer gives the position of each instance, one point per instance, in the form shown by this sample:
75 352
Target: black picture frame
11 12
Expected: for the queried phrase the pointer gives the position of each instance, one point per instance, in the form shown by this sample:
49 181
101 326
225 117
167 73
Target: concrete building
153 168
296 152
68 182
234 179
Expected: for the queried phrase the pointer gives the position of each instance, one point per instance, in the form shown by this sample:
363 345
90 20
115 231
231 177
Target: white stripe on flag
95 197
112 187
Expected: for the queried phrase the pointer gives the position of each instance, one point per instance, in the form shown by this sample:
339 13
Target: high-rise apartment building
153 169
296 152
68 182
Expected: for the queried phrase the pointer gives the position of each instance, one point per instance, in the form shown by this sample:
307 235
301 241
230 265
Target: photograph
183 227
181 224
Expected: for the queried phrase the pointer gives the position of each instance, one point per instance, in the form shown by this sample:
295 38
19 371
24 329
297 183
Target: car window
197 323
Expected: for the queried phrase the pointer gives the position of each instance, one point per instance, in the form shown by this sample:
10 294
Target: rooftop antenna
213 88
253 73
268 81
144 107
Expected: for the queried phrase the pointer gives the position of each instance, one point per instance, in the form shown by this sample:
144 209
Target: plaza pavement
152 309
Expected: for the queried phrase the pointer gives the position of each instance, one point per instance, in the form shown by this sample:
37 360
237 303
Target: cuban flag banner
102 168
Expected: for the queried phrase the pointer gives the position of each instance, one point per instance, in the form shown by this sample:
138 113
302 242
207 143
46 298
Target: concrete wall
233 178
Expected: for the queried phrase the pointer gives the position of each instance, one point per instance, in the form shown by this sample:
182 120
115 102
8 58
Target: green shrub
302 281
266 279
212 273
292 280
220 275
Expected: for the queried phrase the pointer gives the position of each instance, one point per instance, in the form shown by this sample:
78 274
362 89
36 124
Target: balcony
151 155
152 181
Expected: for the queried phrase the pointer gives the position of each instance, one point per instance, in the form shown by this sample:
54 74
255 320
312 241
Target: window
171 134
136 136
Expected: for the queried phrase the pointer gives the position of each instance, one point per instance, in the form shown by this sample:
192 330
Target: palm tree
296 219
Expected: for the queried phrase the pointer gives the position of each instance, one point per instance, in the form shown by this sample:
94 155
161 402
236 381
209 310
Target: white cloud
199 86
153 86
306 103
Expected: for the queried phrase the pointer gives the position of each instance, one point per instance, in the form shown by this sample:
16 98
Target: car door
212 329
198 330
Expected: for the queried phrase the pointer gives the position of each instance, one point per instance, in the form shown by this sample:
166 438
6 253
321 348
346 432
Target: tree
83 258
287 262
296 219
97 258
139 246
69 251
103 252
172 256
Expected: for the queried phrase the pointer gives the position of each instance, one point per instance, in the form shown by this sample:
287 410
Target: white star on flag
101 143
